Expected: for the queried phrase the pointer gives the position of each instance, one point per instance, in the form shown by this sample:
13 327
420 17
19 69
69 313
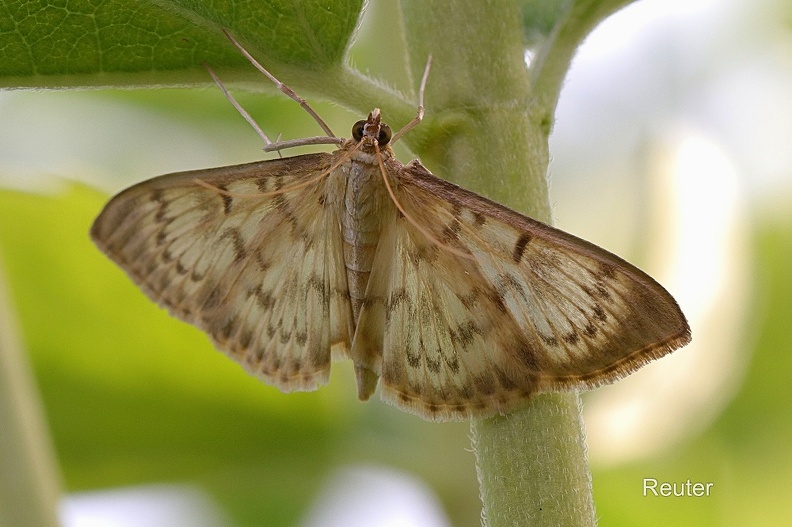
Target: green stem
29 479
478 100
531 463
553 58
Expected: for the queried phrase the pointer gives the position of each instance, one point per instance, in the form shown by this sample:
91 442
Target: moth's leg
270 146
239 107
419 116
282 87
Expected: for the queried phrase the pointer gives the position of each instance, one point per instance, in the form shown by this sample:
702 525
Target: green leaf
99 43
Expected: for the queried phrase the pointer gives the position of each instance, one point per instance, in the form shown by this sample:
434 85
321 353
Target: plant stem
479 85
531 463
29 478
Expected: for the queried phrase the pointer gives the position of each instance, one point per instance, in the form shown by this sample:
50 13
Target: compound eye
384 136
357 130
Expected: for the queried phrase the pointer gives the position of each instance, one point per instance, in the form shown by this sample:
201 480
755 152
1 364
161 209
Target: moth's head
372 129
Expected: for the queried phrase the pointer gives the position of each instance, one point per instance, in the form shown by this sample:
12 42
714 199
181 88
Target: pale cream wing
264 276
532 309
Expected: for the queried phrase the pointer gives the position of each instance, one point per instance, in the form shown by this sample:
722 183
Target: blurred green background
671 148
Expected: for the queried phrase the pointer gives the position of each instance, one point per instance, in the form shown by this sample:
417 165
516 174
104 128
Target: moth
455 305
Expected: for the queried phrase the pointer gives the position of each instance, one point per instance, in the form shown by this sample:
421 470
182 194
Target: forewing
531 309
262 275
